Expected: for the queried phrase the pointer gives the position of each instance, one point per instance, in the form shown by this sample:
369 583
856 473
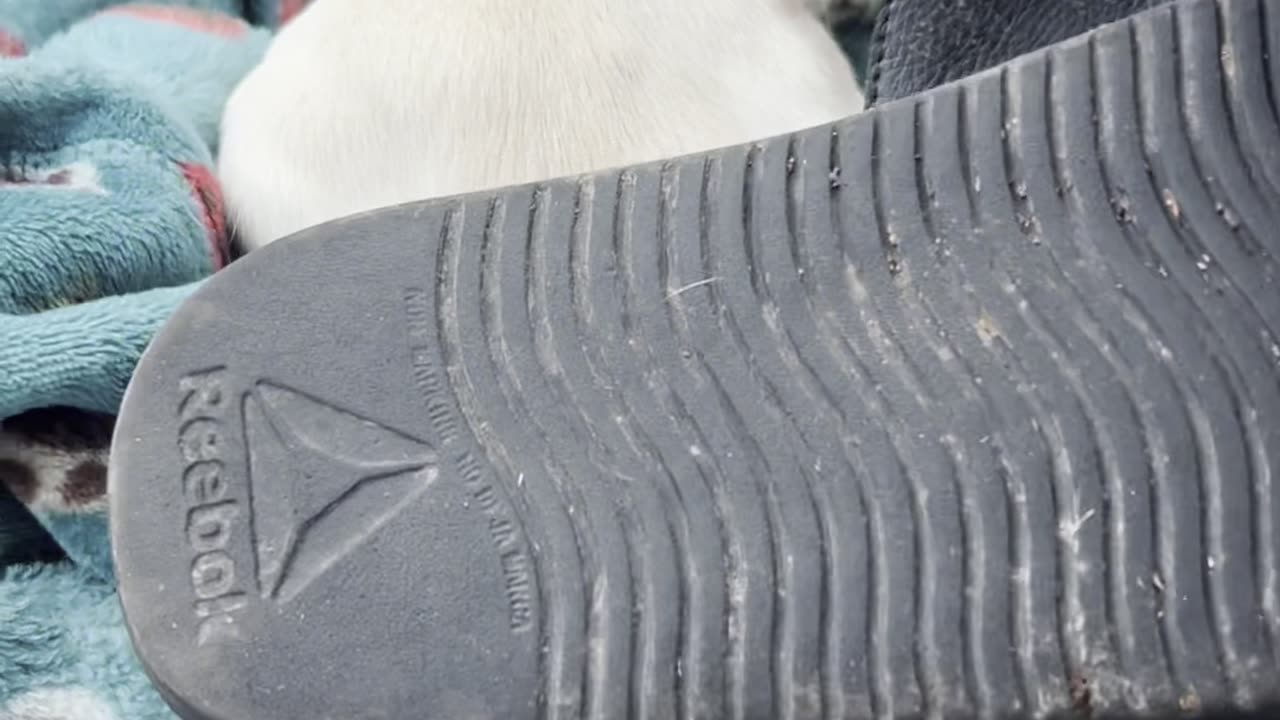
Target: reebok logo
213 515
321 481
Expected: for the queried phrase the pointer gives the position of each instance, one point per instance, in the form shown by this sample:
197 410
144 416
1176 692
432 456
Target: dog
361 105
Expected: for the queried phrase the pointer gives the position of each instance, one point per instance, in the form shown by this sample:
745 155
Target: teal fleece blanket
110 215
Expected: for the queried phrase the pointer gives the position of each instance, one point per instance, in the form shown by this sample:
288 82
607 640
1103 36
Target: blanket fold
110 215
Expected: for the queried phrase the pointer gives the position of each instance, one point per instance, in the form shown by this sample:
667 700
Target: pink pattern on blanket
11 46
199 20
208 195
289 9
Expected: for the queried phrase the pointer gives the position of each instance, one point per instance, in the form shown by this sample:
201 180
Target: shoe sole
995 370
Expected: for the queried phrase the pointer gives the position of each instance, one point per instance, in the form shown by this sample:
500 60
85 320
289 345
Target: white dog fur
362 104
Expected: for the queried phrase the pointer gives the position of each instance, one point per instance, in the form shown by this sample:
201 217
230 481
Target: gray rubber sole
968 407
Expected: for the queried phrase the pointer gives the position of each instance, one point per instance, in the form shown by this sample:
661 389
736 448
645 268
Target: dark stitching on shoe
879 40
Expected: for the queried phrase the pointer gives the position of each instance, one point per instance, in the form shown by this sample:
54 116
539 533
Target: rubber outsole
967 407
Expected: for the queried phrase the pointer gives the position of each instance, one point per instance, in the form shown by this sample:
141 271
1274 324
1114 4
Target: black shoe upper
921 44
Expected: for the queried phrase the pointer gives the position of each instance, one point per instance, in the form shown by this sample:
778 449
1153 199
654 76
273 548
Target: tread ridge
797 192
1242 36
680 415
824 504
1187 582
886 661
898 685
1192 227
776 526
647 611
925 193
835 357
798 297
1227 656
1229 376
827 281
496 345
888 241
737 619
1093 332
552 369
450 347
1241 82
991 443
936 110
1110 345
782 655
1186 82
1148 204
671 294
1122 628
790 353
1042 420
820 504
972 180
1065 491
592 619
925 568
1027 220
1222 74
643 612
588 549
889 347
834 342
1270 30
977 677
1062 491
589 616
666 230
1223 206
785 343
1193 574
932 630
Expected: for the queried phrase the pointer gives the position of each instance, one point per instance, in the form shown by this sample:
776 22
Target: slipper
964 407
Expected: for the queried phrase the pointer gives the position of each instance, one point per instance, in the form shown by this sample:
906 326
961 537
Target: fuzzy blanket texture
110 215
